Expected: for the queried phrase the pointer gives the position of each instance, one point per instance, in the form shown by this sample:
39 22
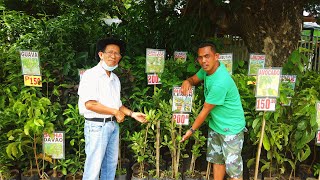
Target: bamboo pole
259 148
173 149
157 143
178 153
208 171
158 149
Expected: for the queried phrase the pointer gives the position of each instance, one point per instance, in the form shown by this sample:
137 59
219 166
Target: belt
102 119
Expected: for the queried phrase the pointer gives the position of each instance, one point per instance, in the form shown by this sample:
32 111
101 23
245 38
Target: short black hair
208 43
102 43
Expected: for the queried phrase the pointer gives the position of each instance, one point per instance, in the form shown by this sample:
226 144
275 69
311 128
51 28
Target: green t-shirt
227 117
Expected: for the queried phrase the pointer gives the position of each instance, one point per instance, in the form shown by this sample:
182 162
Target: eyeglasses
118 55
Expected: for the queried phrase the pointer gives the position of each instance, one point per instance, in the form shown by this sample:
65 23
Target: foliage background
65 32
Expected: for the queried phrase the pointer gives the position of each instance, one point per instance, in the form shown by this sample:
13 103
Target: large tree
267 26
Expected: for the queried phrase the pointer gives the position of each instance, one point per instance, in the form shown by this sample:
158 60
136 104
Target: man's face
208 59
111 55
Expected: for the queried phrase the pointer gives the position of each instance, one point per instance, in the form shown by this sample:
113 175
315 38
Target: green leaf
255 122
266 142
68 120
265 166
305 153
39 122
11 138
251 162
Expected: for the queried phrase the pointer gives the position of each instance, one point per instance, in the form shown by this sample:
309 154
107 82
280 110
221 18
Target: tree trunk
270 27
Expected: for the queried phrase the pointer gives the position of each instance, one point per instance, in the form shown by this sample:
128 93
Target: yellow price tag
32 81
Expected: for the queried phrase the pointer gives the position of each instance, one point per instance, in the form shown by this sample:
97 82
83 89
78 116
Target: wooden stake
208 171
259 148
178 153
157 143
158 150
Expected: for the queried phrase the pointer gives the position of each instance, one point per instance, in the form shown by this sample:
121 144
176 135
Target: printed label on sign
32 81
54 145
181 119
153 79
266 104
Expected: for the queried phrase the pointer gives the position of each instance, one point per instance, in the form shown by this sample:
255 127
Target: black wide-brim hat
102 43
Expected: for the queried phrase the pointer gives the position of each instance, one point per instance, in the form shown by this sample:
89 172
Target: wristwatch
192 130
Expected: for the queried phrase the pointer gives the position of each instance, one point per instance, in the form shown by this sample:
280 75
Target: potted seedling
35 114
74 136
171 139
199 142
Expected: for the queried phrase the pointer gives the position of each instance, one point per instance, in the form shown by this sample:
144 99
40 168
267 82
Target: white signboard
266 104
181 119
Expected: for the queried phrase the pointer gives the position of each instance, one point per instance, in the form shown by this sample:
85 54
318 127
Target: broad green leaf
266 142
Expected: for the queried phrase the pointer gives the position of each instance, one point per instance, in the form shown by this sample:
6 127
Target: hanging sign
268 82
35 81
266 104
288 83
180 56
256 61
226 59
30 62
155 60
153 79
181 119
180 102
54 145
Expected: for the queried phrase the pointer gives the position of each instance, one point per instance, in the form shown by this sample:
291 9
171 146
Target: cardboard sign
181 119
256 61
30 62
153 79
266 104
268 82
35 81
288 82
180 56
54 145
180 102
155 60
226 59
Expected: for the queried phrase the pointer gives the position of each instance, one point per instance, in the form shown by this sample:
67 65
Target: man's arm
188 83
101 109
199 120
136 115
97 107
119 114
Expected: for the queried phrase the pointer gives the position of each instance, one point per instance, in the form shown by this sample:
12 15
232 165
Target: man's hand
186 87
119 116
186 136
139 117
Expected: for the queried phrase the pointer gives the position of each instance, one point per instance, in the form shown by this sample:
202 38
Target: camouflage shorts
226 149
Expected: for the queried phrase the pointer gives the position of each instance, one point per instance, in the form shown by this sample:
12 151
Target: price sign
32 81
153 79
318 137
266 104
181 119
